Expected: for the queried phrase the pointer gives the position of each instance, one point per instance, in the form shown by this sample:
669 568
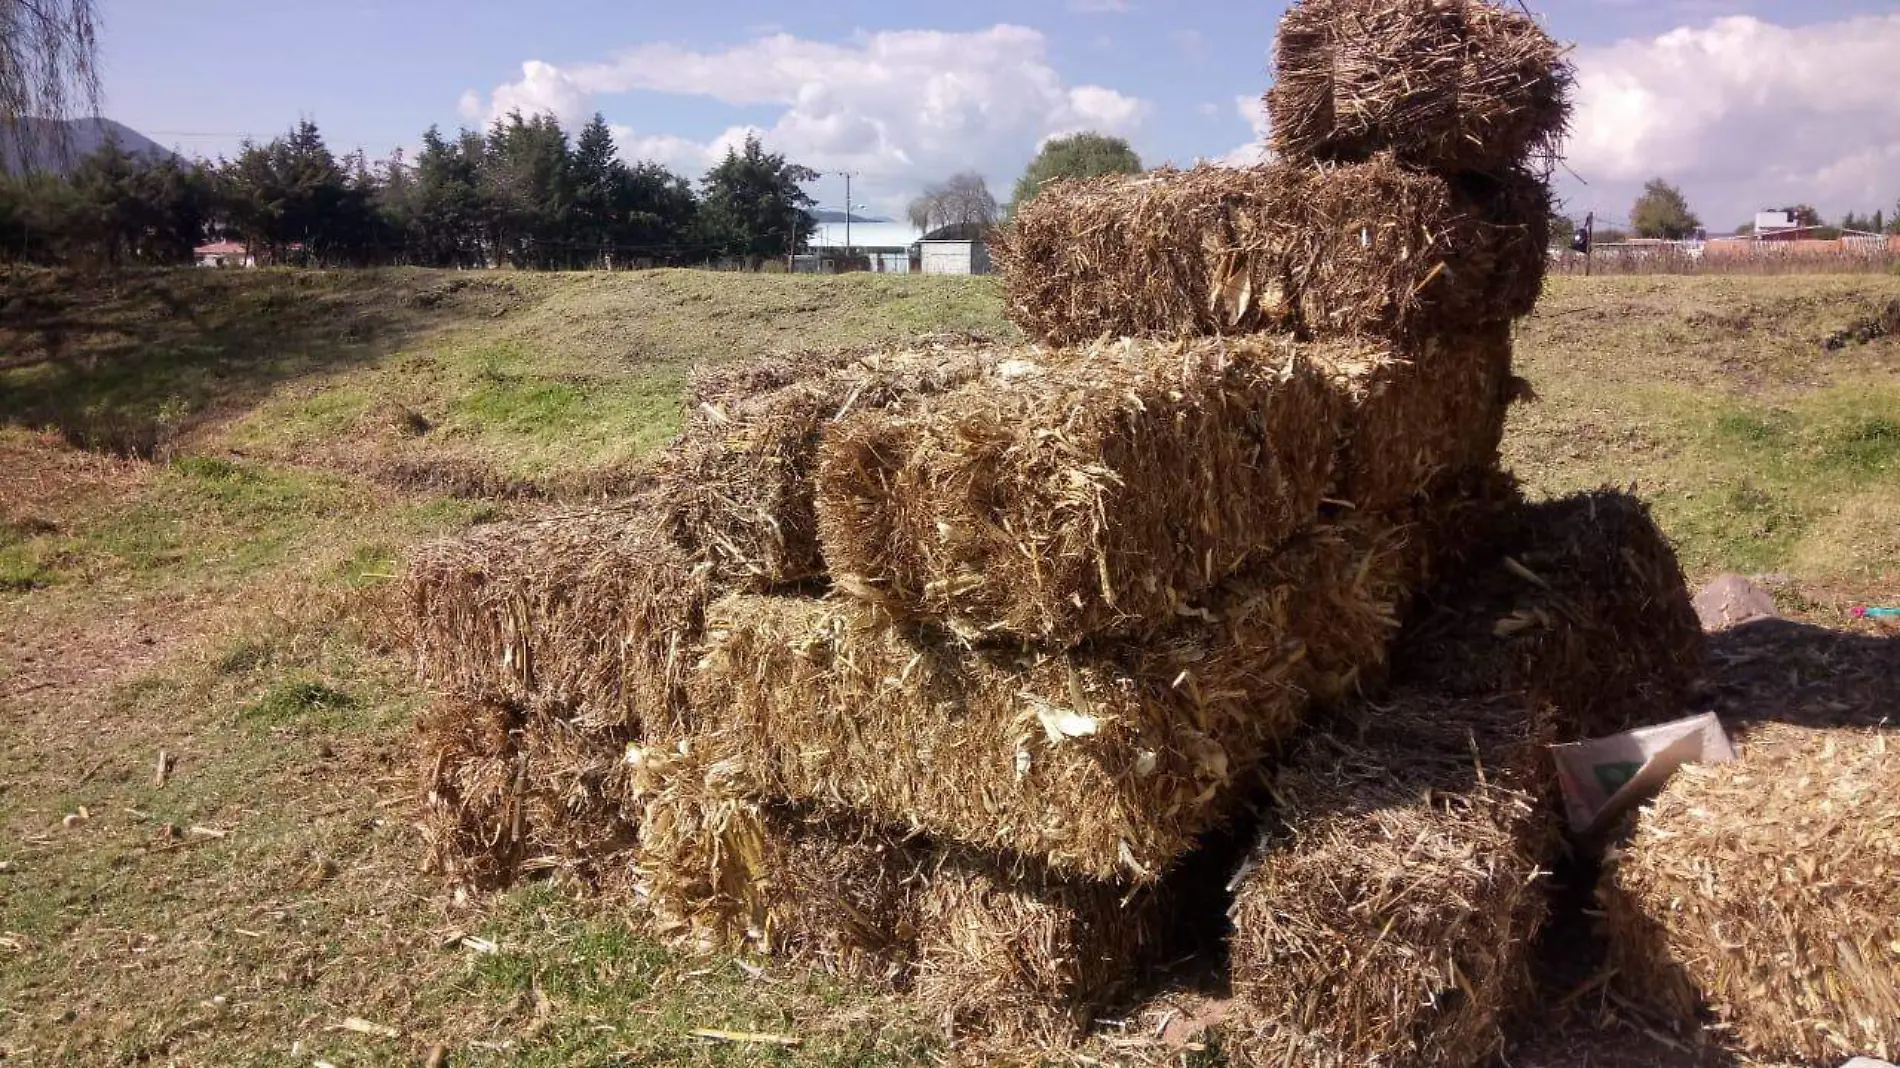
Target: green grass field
210 480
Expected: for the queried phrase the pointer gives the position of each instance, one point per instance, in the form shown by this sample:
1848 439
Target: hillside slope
208 480
53 146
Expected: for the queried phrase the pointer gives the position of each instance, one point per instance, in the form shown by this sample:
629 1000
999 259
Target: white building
886 245
955 257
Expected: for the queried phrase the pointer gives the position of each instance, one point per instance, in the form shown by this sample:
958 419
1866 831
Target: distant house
954 250
1781 226
881 247
224 254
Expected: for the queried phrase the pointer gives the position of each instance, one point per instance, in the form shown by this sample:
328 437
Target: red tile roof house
224 254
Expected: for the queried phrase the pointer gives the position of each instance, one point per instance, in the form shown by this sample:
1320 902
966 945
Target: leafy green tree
1663 212
1083 155
754 206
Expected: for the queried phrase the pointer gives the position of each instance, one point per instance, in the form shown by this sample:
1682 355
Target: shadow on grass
126 362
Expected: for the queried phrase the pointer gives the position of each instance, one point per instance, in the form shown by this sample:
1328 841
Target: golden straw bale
1768 891
1108 761
595 613
472 780
1585 610
1316 250
720 871
1083 493
1448 85
1387 916
581 824
511 793
740 474
1416 426
1011 957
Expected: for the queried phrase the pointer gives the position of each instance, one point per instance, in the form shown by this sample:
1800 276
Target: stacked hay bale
1389 911
1387 914
944 667
1764 894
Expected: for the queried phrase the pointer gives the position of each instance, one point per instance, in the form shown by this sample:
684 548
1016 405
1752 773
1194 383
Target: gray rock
1731 601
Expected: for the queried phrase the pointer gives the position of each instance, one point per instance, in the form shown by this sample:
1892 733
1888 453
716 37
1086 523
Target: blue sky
903 94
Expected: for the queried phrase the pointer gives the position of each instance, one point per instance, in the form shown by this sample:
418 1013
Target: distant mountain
831 215
54 146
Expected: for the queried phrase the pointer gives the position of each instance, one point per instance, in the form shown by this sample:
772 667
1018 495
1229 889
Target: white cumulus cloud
1252 111
1741 114
900 108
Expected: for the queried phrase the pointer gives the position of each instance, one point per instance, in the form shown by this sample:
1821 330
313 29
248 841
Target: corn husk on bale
740 475
1080 494
1388 919
1447 85
720 870
512 792
1556 615
595 613
1769 891
1107 762
1302 247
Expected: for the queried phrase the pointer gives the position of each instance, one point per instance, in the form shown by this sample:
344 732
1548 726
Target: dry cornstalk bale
1317 250
593 612
1387 916
1768 891
472 771
581 820
1107 762
1586 611
1011 957
1447 85
1083 493
721 871
511 793
1416 426
740 474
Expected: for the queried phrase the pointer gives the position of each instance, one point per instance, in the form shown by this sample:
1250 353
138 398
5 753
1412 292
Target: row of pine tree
520 194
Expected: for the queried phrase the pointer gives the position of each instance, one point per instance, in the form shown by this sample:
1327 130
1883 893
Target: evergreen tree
600 189
657 216
754 206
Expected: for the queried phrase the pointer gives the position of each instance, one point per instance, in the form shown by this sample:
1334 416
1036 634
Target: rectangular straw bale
1584 609
1314 249
593 612
1108 761
741 472
1011 957
1419 423
1768 892
721 871
1077 494
1447 85
1386 917
469 754
510 793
